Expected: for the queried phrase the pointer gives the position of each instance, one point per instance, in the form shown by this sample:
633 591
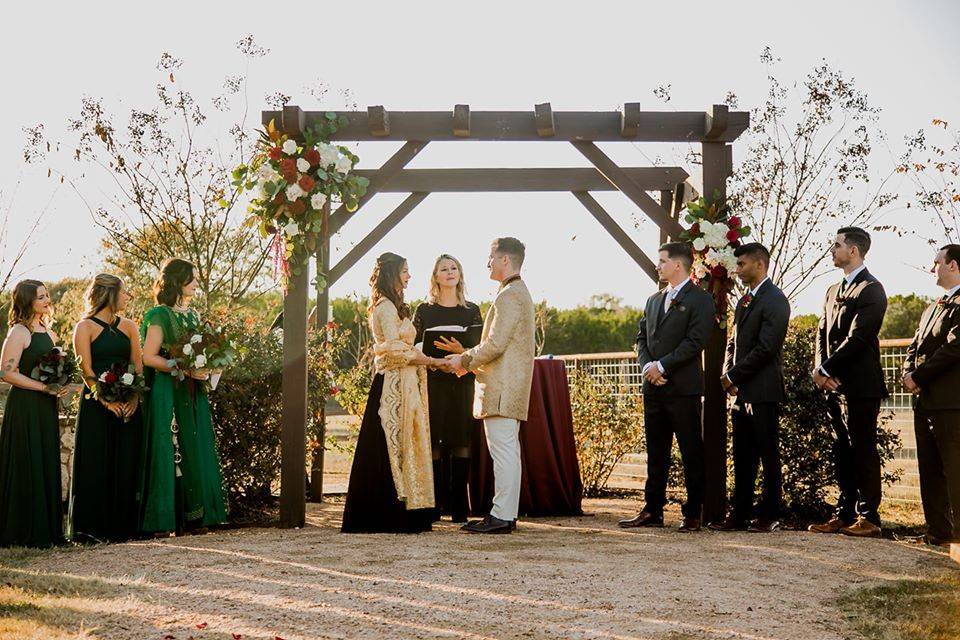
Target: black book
467 336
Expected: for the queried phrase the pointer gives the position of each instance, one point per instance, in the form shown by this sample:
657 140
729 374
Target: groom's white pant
503 441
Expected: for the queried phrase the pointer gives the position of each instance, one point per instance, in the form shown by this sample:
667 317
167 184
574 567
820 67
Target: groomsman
931 371
848 369
673 332
754 374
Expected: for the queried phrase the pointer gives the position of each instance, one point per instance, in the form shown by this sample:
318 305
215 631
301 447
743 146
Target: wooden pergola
713 130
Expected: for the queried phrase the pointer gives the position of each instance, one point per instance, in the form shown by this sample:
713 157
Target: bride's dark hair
385 282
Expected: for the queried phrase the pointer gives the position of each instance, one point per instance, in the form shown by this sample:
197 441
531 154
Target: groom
503 362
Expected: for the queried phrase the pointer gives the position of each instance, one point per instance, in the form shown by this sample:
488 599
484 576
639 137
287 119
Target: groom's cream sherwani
503 362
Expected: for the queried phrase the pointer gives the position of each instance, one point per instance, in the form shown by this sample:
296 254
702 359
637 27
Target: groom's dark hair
681 251
857 237
951 253
511 247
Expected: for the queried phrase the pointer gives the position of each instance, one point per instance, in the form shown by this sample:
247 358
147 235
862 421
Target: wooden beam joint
461 120
630 120
715 121
292 121
543 114
378 120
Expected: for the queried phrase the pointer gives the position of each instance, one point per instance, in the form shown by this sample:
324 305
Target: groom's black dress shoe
642 519
489 525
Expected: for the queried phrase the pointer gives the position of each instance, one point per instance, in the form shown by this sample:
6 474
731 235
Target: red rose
332 325
695 229
312 156
734 222
307 183
334 391
298 207
288 164
278 198
110 377
276 153
732 235
718 272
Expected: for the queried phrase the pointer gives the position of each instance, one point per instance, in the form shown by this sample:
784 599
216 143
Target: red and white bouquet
203 348
715 235
56 368
293 182
119 383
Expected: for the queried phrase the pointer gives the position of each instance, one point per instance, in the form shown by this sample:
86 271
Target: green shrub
353 385
607 425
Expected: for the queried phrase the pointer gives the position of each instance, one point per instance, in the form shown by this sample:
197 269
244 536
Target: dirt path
572 578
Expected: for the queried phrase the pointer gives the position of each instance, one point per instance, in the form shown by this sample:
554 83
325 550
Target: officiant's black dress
451 398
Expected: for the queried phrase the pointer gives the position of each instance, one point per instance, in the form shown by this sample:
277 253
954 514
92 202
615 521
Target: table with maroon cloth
550 484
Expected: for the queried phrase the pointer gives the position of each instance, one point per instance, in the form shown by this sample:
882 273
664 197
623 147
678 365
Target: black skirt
372 505
451 411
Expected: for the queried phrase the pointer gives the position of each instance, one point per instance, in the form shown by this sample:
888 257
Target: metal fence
621 369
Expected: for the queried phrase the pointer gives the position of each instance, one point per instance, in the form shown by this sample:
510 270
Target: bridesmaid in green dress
182 487
31 512
106 470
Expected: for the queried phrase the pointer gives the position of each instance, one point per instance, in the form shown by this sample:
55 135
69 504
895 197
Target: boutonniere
680 307
746 300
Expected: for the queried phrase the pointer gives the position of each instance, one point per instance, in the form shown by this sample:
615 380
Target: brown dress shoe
862 528
831 526
763 525
642 519
728 524
690 525
936 541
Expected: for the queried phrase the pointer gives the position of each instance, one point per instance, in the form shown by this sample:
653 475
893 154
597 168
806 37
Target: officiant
451 398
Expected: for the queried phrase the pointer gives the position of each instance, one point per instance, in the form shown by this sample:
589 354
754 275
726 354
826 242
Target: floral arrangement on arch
293 182
714 234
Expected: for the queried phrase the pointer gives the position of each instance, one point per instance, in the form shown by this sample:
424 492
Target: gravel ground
555 578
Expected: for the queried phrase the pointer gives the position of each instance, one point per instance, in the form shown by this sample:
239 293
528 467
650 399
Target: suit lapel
676 301
657 311
753 302
936 310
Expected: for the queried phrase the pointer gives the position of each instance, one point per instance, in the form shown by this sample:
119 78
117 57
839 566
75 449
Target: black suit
676 339
934 360
848 349
754 366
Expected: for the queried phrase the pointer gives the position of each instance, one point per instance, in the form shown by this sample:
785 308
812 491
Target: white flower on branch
317 200
290 147
291 229
344 164
302 165
294 192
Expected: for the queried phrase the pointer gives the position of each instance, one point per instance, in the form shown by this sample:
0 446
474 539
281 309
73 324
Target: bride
391 481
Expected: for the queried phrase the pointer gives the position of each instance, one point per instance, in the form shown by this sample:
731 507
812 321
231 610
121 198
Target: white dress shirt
672 292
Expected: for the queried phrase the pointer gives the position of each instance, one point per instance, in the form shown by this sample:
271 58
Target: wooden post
320 320
716 169
293 437
666 201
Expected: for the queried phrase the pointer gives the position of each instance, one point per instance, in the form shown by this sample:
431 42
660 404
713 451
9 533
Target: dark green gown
106 469
31 509
181 470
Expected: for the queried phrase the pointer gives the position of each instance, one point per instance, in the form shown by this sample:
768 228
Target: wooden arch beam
376 235
618 234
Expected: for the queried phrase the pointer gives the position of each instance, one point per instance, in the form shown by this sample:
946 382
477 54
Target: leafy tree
903 315
932 162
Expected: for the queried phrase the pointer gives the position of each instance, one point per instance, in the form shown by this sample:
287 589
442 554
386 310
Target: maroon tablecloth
551 474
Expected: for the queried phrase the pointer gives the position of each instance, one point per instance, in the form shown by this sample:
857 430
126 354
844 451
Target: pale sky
491 55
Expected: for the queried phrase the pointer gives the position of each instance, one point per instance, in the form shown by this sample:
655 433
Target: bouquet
204 347
56 368
715 235
119 383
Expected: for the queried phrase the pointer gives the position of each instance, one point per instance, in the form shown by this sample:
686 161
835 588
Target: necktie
669 300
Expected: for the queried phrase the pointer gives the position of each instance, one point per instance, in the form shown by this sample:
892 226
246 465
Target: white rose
317 200
699 244
700 270
294 192
127 378
103 376
267 172
200 361
302 165
290 147
328 154
197 338
712 258
291 229
188 349
344 164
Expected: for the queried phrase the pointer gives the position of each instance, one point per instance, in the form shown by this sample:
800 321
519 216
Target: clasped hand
653 375
824 382
450 364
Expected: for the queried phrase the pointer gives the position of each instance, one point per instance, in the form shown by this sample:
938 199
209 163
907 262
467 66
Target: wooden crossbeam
378 121
378 179
608 223
524 180
543 114
461 120
621 180
376 235
630 120
598 126
715 121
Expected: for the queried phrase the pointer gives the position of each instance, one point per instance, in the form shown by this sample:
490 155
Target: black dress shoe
489 525
763 525
642 519
936 541
689 525
728 524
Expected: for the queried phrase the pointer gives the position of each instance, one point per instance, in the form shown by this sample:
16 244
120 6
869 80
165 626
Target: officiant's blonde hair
434 296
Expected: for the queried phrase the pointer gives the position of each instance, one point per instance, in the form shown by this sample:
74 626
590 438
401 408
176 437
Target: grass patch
925 609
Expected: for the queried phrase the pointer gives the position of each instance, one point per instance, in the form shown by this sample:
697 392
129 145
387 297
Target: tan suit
503 362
